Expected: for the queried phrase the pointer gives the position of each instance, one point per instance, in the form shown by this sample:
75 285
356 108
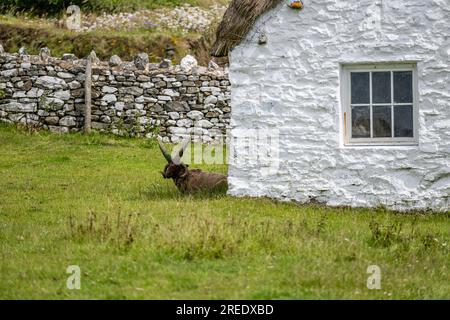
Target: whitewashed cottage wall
292 84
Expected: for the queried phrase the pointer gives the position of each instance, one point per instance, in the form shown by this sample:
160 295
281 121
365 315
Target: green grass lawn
99 202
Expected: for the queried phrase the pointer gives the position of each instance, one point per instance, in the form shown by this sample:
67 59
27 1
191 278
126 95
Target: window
379 103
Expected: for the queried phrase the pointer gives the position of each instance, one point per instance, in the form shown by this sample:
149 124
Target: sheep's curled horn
177 159
167 155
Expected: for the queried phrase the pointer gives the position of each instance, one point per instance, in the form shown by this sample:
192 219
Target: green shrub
52 7
39 6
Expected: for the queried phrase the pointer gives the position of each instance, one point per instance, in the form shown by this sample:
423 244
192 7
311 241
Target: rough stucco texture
292 84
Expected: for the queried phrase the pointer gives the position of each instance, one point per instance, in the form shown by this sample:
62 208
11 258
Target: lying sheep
190 181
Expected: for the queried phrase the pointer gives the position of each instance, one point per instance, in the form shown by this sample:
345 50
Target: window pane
382 122
361 122
381 87
360 87
403 121
403 92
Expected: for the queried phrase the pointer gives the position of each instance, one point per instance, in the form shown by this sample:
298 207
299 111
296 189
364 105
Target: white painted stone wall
292 84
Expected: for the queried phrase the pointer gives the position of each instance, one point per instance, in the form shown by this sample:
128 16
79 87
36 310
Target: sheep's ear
185 172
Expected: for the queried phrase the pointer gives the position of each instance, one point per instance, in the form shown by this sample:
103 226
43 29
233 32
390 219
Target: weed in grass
29 129
430 241
196 237
396 236
384 235
321 224
117 229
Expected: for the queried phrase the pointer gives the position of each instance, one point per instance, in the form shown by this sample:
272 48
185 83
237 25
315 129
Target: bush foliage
52 7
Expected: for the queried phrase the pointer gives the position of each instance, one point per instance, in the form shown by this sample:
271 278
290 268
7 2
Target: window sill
402 145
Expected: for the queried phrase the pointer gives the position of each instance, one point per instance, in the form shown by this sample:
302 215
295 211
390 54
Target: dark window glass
360 87
403 121
361 122
382 127
403 91
381 87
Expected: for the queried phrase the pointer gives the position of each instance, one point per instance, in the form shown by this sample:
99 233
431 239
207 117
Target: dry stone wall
128 98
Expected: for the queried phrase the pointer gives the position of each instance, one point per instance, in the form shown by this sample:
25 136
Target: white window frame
347 111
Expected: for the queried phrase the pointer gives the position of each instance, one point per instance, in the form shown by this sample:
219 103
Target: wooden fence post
88 95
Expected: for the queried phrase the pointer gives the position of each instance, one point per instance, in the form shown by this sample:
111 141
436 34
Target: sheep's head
173 171
174 168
